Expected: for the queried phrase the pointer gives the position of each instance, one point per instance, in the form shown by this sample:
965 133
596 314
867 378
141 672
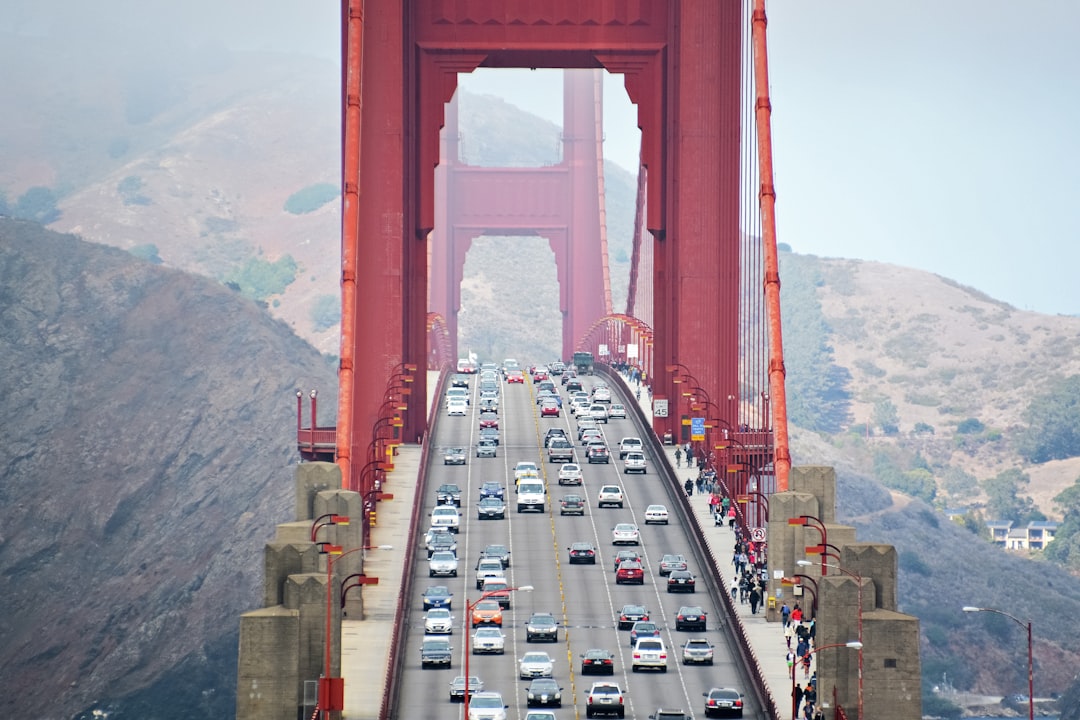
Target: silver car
438 621
697 651
535 664
488 640
442 563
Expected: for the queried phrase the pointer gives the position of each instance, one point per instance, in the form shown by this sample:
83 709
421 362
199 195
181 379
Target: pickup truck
435 652
560 450
628 445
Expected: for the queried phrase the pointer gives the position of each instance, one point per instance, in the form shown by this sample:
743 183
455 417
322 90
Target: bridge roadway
584 597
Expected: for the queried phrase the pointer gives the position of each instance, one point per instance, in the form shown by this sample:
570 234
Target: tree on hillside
1003 496
886 416
37 204
1065 547
1053 423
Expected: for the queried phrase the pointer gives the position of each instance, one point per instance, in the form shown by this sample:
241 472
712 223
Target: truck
560 450
583 363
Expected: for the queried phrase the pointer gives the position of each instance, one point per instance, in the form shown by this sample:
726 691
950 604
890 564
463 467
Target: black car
690 618
597 453
497 551
491 508
490 433
442 542
492 489
543 692
680 581
582 552
449 494
597 662
553 433
631 614
435 653
542 626
723 702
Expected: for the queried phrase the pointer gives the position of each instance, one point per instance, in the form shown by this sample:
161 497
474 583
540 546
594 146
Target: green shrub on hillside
326 312
259 279
311 198
148 252
37 204
1053 423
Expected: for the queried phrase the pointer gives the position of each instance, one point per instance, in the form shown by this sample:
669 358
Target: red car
629 572
515 376
489 420
539 375
549 408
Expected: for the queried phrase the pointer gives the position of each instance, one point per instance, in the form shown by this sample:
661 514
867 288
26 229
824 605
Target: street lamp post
854 644
858 616
468 614
804 520
1031 657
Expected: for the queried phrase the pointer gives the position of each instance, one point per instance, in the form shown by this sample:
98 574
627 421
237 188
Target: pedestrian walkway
766 638
366 641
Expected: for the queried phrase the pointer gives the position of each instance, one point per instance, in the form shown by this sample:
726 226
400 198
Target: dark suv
449 494
542 626
554 433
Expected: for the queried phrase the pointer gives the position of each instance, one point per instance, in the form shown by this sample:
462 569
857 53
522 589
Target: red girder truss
682 62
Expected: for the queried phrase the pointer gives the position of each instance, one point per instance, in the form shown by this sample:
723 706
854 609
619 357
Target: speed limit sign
757 534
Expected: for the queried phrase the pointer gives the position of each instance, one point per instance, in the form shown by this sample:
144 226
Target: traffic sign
757 534
659 407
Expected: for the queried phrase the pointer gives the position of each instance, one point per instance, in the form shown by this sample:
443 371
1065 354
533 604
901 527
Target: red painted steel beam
777 374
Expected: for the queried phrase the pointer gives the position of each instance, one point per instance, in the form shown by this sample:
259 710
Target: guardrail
703 554
399 636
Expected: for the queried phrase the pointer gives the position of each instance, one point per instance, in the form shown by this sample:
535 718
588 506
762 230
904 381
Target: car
457 393
526 468
448 494
560 450
573 384
498 590
515 377
582 552
570 474
579 407
657 514
597 661
487 705
549 408
539 374
590 435
435 652
497 551
443 564
670 562
535 664
624 555
552 433
542 626
616 411
649 653
585 423
601 394
630 572
723 702
487 447
488 404
669 714
629 445
492 488
545 393
558 367
459 380
457 687
441 536
681 581
466 366
486 612
531 496
539 715
490 434
635 463
458 408
643 629
446 516
438 621
572 505
545 692
438 596
598 453
454 456
488 567
630 614
489 420
697 651
604 698
625 534
598 412
488 640
491 508
609 495
690 617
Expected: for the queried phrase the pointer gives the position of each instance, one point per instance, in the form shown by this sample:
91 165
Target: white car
601 395
625 534
628 445
634 462
486 705
535 664
446 516
609 495
488 640
656 514
460 408
579 406
489 568
438 621
598 412
525 469
617 411
649 652
457 393
442 563
570 474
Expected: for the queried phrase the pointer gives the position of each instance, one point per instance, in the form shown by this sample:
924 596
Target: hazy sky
940 135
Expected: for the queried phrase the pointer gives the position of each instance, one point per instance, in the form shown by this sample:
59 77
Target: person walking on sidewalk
731 517
678 457
785 614
714 504
688 486
789 633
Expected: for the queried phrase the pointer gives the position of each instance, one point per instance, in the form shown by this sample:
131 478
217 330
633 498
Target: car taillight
712 702
738 703
680 617
637 655
663 656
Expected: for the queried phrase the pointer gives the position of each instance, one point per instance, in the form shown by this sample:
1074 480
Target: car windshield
644 627
443 555
535 658
487 605
438 614
488 632
438 590
479 701
624 527
605 690
444 511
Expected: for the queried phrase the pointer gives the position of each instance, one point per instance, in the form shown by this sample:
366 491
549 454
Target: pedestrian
734 590
689 455
811 632
796 614
789 633
806 668
688 486
714 503
797 693
678 457
802 651
755 598
725 503
731 517
809 695
785 614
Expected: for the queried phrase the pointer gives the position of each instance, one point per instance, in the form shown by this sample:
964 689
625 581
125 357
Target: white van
531 496
446 516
